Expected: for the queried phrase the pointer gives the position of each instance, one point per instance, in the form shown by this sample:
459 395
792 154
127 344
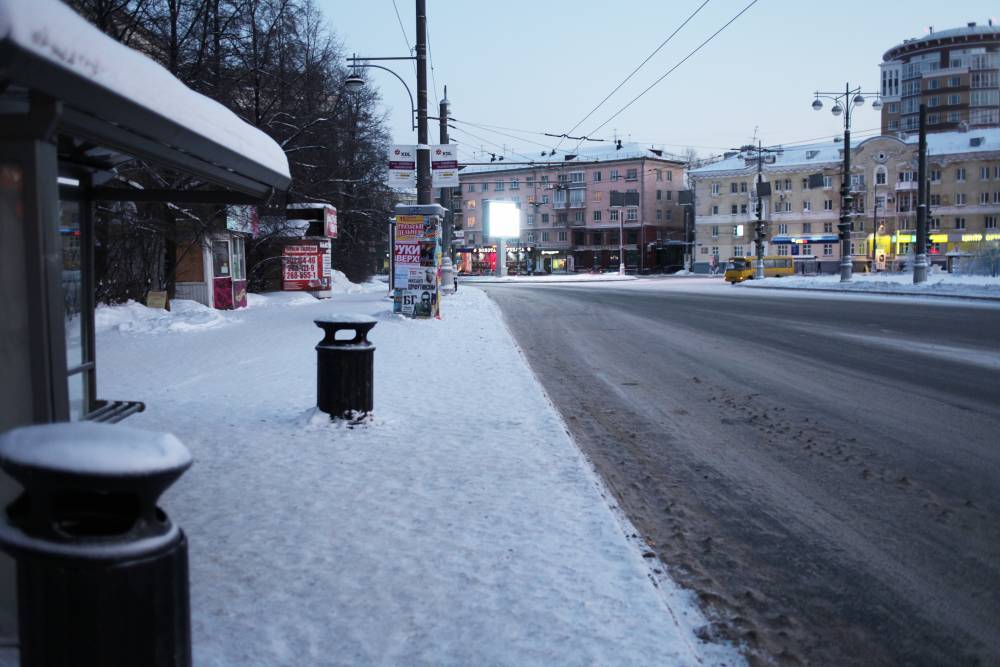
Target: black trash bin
345 367
102 573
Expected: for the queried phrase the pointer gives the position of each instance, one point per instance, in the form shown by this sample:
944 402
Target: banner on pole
402 167
444 166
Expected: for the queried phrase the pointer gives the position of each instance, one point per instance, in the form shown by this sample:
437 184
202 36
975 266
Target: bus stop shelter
75 106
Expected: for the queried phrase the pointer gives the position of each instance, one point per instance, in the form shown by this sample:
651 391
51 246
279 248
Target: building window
531 237
471 187
783 228
670 215
545 237
953 100
984 198
960 199
704 250
935 200
530 218
545 218
659 174
715 209
743 209
631 174
827 227
514 185
715 188
934 223
879 175
715 251
499 186
777 185
733 188
827 182
782 249
470 221
659 214
576 177
562 218
659 195
715 231
670 175
737 251
788 206
631 214
545 199
597 216
828 203
935 175
807 227
788 184
807 206
578 216
486 187
743 186
827 249
959 223
670 194
544 179
614 215
732 209
530 181
597 177
805 183
614 175
561 236
990 222
960 174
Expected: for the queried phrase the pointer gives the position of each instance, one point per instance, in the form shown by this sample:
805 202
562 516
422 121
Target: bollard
102 573
344 368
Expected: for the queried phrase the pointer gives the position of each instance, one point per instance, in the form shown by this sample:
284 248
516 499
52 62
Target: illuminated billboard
504 219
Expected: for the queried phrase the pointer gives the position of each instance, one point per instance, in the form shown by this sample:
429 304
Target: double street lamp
845 103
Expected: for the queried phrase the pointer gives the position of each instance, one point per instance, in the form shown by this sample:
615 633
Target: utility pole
920 259
444 109
424 195
844 226
759 223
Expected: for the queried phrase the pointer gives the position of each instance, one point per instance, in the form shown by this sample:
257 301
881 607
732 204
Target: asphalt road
823 472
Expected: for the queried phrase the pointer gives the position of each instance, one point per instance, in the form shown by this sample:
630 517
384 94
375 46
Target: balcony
907 186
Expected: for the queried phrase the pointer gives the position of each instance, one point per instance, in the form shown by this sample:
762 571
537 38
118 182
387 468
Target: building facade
955 73
568 222
963 170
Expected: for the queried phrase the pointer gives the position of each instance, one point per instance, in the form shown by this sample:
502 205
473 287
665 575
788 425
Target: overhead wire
633 72
406 40
672 69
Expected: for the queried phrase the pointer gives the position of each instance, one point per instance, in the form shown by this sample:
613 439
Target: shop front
212 271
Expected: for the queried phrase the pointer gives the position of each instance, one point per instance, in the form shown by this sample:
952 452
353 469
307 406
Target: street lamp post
423 149
851 98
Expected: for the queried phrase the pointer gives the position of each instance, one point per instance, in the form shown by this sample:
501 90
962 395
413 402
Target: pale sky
541 65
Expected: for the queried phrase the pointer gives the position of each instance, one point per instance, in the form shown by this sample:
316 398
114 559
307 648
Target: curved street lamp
356 82
845 103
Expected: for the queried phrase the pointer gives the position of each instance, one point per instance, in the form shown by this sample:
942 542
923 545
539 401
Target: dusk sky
529 67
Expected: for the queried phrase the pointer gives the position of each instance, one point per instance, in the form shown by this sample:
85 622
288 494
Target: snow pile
938 283
458 525
341 285
184 315
270 299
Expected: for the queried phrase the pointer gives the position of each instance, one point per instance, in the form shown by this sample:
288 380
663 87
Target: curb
967 297
462 281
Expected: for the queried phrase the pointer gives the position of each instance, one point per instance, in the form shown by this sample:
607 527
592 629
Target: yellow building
963 170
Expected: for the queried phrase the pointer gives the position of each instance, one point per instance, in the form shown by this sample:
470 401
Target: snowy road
823 470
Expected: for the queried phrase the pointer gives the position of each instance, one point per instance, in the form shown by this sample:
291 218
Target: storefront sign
330 222
402 167
444 166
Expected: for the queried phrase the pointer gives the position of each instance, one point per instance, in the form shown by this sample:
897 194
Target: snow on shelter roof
119 98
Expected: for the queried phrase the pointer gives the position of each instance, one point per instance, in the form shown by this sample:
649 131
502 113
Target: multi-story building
963 170
955 73
568 221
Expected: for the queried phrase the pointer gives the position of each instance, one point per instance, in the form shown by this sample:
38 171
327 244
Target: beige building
964 173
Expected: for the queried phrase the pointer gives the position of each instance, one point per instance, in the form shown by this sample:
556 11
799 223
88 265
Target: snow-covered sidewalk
461 526
938 283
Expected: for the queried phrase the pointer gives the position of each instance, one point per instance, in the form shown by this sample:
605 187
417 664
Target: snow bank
548 278
341 285
459 525
134 317
938 283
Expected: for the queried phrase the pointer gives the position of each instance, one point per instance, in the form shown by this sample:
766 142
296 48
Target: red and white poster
306 266
330 222
444 166
402 171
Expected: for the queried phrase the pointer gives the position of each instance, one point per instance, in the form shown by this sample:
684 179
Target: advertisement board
402 172
504 220
330 222
444 166
305 265
417 272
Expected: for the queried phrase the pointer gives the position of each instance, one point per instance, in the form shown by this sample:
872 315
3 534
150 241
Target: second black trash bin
345 366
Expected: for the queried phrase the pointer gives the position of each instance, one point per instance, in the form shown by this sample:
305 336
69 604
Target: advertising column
417 274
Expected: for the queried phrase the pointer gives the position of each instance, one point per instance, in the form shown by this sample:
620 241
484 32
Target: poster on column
402 172
417 252
444 166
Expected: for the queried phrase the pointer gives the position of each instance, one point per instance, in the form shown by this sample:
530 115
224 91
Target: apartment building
568 222
955 73
963 170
